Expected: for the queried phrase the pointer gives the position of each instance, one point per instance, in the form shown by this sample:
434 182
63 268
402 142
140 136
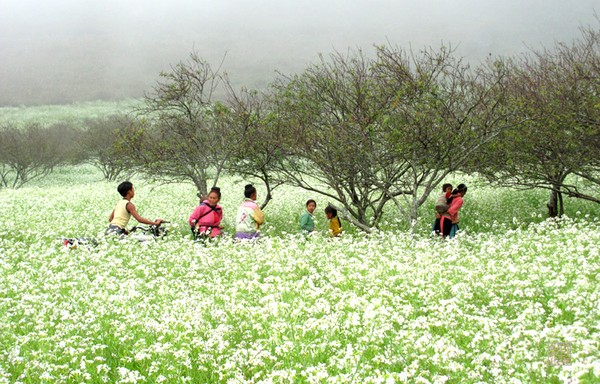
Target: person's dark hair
216 190
249 190
331 210
311 201
460 188
446 186
124 187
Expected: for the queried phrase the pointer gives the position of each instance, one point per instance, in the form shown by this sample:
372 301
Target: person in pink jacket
455 205
205 221
446 223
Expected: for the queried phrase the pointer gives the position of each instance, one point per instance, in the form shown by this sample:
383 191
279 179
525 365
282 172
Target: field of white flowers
513 299
68 113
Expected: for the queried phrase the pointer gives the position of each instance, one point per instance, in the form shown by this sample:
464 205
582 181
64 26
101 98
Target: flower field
513 299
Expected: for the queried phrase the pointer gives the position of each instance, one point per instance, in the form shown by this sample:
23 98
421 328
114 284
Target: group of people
447 207
205 220
307 221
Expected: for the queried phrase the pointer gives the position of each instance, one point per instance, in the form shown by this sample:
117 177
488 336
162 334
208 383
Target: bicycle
156 231
138 232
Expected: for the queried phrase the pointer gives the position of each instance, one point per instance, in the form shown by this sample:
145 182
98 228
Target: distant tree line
363 132
33 151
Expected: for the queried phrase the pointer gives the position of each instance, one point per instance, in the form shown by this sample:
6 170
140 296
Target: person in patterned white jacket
249 216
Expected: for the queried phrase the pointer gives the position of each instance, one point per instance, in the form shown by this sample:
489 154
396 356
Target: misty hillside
67 51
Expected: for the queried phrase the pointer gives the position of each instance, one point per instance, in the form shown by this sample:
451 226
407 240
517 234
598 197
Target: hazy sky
57 51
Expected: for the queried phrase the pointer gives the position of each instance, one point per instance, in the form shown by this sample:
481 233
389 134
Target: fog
62 51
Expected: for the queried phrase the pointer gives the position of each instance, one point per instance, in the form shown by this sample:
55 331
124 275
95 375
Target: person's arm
112 216
140 219
193 220
259 216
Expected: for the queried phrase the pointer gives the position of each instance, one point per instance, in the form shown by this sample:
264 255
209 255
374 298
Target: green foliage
363 132
329 108
254 139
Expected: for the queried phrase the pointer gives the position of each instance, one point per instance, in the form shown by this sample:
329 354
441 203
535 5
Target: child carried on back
441 208
443 202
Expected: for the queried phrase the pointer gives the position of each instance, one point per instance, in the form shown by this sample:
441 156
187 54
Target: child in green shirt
307 221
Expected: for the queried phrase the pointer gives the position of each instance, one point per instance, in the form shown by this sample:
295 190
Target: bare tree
333 113
441 113
366 132
101 145
32 152
256 141
178 137
556 92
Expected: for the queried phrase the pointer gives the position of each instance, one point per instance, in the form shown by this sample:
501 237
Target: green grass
488 306
68 113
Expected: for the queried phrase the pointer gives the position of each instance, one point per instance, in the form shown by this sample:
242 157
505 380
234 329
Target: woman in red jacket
448 224
205 221
455 205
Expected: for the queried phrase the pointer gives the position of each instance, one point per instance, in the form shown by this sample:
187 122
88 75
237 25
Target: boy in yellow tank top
123 211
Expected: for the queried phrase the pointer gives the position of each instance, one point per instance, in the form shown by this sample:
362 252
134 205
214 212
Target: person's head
124 188
461 189
330 212
447 188
311 205
250 192
214 195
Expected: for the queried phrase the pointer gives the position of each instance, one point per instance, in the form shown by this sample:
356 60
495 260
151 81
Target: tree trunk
268 198
552 204
346 216
413 216
267 184
202 187
561 206
555 205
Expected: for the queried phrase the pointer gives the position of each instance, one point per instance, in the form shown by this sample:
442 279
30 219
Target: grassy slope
70 113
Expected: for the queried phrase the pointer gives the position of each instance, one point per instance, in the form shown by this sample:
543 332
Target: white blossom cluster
512 305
